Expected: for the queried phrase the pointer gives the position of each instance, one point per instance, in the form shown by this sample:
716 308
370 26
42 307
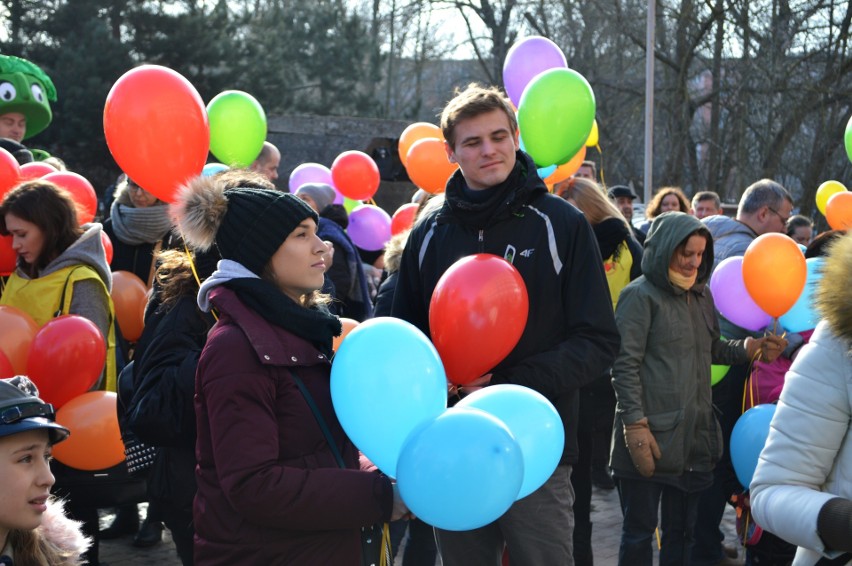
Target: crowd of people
229 383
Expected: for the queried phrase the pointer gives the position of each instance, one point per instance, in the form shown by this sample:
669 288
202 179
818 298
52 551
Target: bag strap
65 290
320 420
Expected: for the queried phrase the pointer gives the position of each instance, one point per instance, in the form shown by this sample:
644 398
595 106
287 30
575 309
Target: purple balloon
369 227
525 60
732 298
309 173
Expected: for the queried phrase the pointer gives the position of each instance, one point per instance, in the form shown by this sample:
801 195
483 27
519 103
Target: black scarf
609 234
479 214
316 325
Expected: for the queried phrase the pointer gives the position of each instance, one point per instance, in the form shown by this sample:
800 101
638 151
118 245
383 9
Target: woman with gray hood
666 439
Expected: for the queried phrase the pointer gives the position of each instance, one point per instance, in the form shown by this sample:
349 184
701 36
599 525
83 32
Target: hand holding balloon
769 347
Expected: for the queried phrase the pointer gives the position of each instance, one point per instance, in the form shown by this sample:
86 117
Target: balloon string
385 558
659 542
195 274
603 179
745 530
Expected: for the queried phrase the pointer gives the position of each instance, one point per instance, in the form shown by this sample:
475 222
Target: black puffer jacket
570 337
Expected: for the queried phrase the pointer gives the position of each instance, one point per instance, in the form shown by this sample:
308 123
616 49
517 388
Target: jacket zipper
481 240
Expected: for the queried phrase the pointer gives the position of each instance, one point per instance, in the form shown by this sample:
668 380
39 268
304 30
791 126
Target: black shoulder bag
375 539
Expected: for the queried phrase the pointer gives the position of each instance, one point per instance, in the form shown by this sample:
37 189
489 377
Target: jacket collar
272 344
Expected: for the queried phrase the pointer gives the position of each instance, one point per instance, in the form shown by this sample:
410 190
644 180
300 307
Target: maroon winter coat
269 488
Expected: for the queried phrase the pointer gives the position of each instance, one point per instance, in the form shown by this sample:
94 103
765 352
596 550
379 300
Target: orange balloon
81 190
428 166
348 325
416 132
129 294
774 272
17 330
838 211
567 169
157 129
95 441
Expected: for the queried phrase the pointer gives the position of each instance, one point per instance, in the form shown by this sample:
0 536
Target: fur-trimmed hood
393 251
834 297
63 533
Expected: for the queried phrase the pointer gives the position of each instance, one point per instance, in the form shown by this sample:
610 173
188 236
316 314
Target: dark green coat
669 337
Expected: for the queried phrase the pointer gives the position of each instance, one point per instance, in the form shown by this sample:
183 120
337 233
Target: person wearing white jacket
802 487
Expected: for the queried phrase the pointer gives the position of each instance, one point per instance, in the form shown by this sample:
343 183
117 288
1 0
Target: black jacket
570 337
161 411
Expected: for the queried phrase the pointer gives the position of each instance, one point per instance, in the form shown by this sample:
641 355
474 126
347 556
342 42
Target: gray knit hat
320 193
247 224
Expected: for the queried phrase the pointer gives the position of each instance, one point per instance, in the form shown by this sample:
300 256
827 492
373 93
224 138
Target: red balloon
10 172
477 314
8 257
66 358
6 369
108 251
17 329
403 218
81 190
36 170
95 441
157 129
129 294
355 175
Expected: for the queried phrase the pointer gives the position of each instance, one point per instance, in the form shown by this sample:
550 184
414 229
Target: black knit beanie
256 224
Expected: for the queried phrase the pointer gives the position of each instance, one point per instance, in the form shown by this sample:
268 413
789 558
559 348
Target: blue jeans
537 531
639 502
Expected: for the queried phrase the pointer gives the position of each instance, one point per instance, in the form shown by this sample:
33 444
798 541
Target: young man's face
484 149
13 125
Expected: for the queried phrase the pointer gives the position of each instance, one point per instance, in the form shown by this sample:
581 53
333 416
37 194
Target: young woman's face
27 238
298 265
25 480
670 202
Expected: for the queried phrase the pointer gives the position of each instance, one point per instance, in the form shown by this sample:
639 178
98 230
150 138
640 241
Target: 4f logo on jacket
509 254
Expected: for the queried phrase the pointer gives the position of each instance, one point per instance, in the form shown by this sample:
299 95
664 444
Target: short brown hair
48 207
471 102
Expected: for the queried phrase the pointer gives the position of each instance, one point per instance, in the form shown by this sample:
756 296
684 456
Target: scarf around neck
135 226
316 325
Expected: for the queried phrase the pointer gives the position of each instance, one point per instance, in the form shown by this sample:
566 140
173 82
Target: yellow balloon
826 191
593 135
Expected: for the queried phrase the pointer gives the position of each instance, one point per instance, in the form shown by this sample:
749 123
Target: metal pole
650 44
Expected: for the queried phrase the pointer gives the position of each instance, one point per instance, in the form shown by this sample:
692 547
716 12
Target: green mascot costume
26 89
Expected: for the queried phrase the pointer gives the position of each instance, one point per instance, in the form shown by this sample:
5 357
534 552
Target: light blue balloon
460 471
803 314
545 172
747 440
212 168
532 420
386 379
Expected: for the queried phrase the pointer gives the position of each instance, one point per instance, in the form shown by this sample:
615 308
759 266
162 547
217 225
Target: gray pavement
606 534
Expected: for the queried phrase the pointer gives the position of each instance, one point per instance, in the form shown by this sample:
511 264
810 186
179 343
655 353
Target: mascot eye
38 94
7 92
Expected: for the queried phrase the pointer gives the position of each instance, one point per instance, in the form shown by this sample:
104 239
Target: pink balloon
369 227
525 60
313 173
732 298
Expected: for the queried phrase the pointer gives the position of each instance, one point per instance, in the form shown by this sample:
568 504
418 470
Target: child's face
25 480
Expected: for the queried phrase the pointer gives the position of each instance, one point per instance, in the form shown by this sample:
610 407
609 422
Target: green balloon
848 139
717 373
350 204
237 128
555 116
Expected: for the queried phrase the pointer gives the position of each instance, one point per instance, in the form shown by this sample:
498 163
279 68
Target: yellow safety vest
618 271
40 299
